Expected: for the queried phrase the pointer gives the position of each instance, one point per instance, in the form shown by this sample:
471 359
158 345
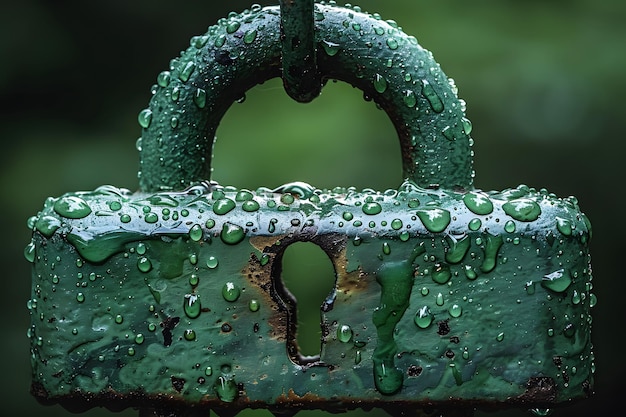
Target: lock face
445 295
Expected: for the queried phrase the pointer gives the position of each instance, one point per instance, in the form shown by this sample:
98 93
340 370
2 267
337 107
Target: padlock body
466 298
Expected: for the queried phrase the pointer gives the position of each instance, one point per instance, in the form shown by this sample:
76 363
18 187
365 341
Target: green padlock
446 297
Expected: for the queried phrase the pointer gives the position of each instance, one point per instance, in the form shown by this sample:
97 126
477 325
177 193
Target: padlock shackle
244 50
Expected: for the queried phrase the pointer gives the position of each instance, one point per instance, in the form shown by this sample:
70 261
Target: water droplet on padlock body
478 203
523 209
29 252
223 206
145 118
163 79
455 311
457 249
392 43
144 264
434 219
331 48
409 98
371 208
72 207
212 262
557 281
423 318
431 95
232 234
380 83
441 273
226 388
192 305
195 233
344 333
231 292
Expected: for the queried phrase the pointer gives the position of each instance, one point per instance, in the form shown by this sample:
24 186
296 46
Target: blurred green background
544 82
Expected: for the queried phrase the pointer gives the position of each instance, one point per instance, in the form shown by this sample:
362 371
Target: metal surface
446 296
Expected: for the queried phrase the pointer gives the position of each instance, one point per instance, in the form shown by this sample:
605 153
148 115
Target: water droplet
434 219
387 378
569 330
386 248
523 209
509 226
231 292
424 291
439 299
469 272
423 317
287 198
371 208
195 233
249 36
250 206
431 95
330 48
474 224
212 262
226 388
232 234
467 125
190 335
254 305
492 246
144 264
344 333
163 79
455 311
29 252
125 218
392 43
458 248
557 281
139 338
141 248
72 207
396 224
144 118
564 226
119 319
409 98
232 26
187 70
347 216
115 205
380 83
209 224
593 300
175 95
208 371
80 297
151 217
500 337
194 280
441 273
223 206
478 203
192 306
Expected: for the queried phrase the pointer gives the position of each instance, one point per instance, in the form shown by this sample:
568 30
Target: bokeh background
545 87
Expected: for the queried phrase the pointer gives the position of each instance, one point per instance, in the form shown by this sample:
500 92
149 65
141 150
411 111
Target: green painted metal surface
445 295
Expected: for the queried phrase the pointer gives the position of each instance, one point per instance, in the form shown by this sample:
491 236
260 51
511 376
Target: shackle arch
243 50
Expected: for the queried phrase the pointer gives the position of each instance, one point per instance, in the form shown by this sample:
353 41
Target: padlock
446 297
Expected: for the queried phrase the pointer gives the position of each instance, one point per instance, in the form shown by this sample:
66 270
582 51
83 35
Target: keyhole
308 275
